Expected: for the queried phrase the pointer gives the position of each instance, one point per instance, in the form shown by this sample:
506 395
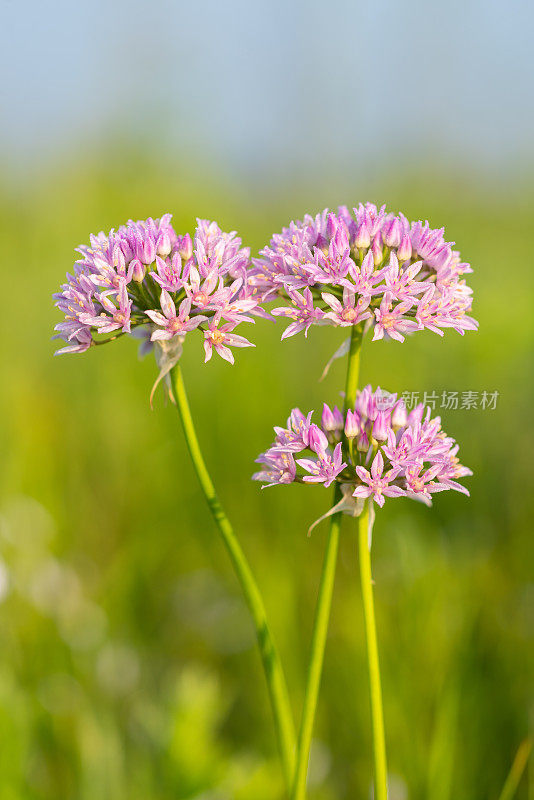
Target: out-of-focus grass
128 667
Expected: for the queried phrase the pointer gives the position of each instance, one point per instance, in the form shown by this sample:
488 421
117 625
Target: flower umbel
145 274
342 268
377 450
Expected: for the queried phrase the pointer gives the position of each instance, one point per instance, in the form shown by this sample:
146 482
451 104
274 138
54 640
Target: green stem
353 369
518 767
324 599
269 654
375 690
320 629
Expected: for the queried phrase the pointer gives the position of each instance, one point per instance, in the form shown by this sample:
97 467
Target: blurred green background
128 667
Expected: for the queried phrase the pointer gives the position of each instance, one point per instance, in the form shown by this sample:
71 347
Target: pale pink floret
302 312
221 338
171 323
296 436
366 278
349 312
323 469
170 273
202 290
117 314
421 485
279 469
401 283
378 485
391 321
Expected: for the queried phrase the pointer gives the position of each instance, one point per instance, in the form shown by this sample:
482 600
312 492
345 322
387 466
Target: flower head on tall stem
376 448
145 274
343 267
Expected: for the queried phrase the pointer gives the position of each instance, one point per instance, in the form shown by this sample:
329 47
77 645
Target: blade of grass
516 771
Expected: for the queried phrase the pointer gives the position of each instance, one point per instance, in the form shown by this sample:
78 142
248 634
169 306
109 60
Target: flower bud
381 426
416 415
163 245
149 252
376 250
363 237
331 226
392 234
137 270
352 425
405 249
399 417
327 419
317 440
338 419
185 247
363 443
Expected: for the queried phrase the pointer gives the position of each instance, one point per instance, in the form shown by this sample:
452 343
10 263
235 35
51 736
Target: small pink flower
112 317
366 278
296 436
378 485
325 468
170 275
172 323
280 468
390 320
221 338
302 311
401 284
201 292
422 486
349 312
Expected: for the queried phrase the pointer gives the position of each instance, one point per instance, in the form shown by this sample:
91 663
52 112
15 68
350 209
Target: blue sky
272 85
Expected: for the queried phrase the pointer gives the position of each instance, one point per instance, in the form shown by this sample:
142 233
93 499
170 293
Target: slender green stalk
377 713
353 368
518 767
276 684
320 629
324 600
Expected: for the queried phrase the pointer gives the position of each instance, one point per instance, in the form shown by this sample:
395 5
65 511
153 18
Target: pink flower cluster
144 274
345 268
375 450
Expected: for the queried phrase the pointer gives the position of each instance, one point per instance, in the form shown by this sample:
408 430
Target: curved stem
276 684
324 599
375 690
